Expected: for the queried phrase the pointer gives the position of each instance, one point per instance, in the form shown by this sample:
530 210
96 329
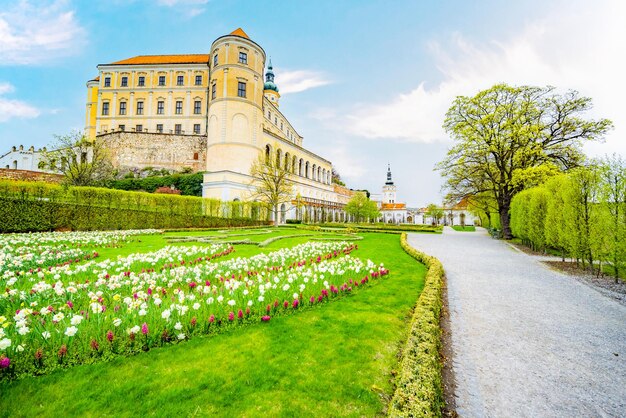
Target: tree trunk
505 217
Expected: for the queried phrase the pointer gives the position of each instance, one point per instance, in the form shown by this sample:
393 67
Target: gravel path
527 341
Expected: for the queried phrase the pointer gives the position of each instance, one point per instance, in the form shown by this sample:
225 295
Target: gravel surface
527 341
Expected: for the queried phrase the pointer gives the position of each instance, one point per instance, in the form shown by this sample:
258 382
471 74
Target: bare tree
272 183
82 161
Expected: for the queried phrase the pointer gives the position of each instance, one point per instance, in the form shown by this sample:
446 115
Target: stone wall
26 175
170 151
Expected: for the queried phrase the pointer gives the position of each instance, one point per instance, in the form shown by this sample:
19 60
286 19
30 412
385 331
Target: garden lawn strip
330 360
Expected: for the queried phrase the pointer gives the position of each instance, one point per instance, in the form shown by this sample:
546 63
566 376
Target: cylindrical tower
235 115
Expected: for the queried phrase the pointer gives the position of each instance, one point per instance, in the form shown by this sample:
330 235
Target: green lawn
466 228
334 359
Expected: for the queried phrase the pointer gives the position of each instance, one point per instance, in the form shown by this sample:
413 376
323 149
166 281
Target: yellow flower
2 319
116 297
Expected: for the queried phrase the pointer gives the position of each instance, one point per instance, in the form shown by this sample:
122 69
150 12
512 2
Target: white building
19 158
392 211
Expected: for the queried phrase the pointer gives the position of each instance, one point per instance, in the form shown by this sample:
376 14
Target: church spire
269 75
389 181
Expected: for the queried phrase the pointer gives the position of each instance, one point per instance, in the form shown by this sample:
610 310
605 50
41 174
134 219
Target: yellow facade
150 94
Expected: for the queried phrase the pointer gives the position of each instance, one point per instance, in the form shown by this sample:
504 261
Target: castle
210 112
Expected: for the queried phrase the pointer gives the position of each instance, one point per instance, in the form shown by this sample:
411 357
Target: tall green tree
362 208
613 191
83 162
506 135
583 218
555 216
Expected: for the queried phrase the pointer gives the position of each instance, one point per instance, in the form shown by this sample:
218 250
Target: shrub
188 184
419 386
36 206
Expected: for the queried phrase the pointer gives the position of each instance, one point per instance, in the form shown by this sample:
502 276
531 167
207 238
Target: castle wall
169 151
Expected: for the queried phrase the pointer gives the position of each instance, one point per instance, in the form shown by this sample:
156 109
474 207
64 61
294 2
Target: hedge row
188 184
37 206
419 387
381 227
581 214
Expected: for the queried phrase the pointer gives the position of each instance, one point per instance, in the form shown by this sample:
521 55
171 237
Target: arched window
319 172
313 172
323 175
306 170
14 164
279 157
268 153
293 165
287 162
301 167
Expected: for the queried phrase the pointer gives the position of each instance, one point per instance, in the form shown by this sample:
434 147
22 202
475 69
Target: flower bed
29 251
72 314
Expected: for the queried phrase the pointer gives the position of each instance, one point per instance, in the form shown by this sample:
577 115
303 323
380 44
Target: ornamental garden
292 320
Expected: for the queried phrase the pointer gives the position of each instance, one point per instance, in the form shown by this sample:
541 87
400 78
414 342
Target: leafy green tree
271 183
82 162
362 208
583 221
613 192
555 219
537 210
435 213
506 136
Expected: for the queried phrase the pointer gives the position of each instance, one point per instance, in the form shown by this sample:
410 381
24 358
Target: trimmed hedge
37 206
419 386
382 227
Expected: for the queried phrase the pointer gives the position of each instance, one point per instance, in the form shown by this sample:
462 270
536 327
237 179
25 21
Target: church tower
389 189
270 90
235 115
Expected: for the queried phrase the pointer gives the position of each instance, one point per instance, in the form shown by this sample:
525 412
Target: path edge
419 386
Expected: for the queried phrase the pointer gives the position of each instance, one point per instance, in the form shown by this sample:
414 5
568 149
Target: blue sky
365 82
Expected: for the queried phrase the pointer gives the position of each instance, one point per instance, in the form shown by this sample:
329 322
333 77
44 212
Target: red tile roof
164 59
240 32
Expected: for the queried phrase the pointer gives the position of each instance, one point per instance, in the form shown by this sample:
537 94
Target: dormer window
243 58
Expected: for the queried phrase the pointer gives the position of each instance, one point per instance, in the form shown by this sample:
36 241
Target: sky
366 83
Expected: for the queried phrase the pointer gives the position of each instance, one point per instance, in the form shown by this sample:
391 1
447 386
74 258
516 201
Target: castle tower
389 189
235 115
270 90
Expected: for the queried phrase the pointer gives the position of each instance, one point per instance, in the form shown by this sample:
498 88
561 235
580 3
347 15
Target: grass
330 360
466 228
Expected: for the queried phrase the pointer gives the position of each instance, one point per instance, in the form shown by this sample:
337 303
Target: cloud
297 81
580 49
32 34
10 108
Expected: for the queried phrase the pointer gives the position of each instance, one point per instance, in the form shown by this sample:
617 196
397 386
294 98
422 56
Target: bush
36 206
188 184
419 387
294 221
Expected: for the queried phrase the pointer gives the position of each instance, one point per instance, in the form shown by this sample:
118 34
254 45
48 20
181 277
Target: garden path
527 341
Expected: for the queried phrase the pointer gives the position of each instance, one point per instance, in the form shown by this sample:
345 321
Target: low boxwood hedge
419 386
